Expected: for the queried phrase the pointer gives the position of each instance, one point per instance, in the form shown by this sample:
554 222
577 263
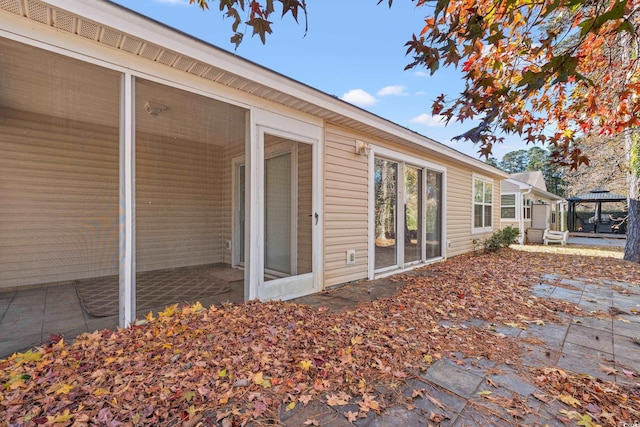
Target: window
508 206
526 208
482 204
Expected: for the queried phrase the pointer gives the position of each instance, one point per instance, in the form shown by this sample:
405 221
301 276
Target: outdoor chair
619 225
555 237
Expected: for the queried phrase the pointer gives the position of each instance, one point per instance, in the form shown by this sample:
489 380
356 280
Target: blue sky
354 49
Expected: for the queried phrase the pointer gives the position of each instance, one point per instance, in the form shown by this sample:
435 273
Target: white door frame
236 242
266 122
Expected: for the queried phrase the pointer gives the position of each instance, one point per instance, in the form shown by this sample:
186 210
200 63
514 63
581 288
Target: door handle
316 215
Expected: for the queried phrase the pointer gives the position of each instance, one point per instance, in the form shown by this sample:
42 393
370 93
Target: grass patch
578 250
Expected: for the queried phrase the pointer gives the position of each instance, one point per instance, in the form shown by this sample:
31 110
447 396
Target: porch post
127 256
570 221
254 205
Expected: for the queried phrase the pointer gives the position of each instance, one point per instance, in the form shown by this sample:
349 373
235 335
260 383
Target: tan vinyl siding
58 199
459 202
459 216
346 208
178 203
346 203
508 187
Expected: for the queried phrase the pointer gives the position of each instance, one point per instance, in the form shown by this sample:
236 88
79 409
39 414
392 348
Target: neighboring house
127 147
527 205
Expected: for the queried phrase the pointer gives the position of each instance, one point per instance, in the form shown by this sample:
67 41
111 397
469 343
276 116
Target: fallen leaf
542 397
258 378
437 418
305 398
335 400
305 364
351 416
570 400
608 370
61 418
593 409
434 401
628 374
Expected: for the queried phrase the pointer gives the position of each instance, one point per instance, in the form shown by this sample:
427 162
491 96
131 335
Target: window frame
485 182
526 208
514 206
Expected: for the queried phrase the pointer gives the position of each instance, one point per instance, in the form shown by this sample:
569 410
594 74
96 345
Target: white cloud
429 120
420 93
421 74
392 90
359 97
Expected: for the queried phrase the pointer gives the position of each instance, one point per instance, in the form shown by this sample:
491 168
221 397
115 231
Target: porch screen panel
386 184
59 179
306 217
434 214
413 234
185 144
241 211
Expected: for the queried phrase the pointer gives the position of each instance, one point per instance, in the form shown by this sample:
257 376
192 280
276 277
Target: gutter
522 214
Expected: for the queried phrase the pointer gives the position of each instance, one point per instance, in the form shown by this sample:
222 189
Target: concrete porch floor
29 317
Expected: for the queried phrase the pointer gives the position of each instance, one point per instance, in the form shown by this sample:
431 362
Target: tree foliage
256 14
535 159
514 161
528 65
607 167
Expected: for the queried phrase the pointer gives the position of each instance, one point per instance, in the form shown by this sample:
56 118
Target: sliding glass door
407 214
413 235
386 204
434 214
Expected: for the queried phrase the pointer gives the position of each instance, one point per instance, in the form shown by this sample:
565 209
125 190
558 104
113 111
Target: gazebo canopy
598 195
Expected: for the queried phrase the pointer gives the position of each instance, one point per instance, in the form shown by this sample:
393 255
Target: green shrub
498 240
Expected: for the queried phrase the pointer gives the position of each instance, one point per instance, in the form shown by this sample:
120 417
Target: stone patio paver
453 379
325 415
587 337
452 403
579 344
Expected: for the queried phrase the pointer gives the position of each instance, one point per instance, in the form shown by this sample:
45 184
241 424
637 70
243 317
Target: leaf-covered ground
239 363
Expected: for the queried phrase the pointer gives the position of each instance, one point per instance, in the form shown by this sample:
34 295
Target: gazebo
599 211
